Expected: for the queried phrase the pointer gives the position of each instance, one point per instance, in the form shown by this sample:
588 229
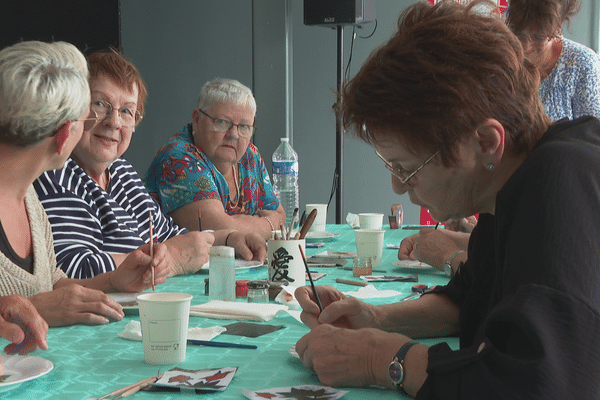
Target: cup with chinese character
285 262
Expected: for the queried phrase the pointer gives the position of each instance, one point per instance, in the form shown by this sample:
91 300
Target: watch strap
398 362
448 264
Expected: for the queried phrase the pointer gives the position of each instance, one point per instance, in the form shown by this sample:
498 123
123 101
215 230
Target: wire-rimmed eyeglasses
90 121
129 116
223 125
401 174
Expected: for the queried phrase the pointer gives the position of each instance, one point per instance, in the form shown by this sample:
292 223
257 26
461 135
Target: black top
530 292
8 251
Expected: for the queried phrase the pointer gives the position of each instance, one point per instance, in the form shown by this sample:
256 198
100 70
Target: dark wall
90 25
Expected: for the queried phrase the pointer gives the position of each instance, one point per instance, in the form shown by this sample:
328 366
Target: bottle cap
222 251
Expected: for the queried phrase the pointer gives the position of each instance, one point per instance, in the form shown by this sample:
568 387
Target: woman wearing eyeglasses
98 207
212 168
44 111
453 84
570 72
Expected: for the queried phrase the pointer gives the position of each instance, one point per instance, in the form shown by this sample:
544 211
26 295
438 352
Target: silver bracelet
448 264
270 223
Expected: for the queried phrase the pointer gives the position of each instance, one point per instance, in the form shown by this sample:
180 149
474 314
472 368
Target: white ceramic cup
321 218
369 243
285 261
370 220
164 318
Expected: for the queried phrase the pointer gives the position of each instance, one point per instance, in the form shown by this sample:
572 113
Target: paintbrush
312 283
294 216
307 224
152 250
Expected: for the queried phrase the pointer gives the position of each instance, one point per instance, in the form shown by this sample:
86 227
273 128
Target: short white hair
226 91
42 86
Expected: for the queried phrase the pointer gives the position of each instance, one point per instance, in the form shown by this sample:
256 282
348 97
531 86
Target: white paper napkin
133 331
371 292
238 310
352 220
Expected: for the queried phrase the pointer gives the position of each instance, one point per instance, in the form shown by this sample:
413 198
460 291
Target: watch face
448 269
396 371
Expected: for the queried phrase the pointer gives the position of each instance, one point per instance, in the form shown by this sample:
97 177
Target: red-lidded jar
241 288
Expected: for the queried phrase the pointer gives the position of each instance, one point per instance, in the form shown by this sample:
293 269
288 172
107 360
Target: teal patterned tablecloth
91 361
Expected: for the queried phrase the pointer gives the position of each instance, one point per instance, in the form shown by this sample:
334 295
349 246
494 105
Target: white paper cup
285 261
370 220
164 318
369 243
321 219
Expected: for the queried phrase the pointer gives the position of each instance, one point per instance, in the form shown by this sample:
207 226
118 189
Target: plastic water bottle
285 179
221 273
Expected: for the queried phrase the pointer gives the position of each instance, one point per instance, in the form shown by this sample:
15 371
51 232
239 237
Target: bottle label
285 167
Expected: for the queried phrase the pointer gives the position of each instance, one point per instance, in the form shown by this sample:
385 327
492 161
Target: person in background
526 304
22 325
211 167
44 109
98 207
570 72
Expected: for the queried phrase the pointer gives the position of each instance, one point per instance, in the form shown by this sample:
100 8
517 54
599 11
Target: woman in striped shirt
98 207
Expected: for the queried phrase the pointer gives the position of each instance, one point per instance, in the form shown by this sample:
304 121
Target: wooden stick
308 223
152 250
351 282
133 385
294 216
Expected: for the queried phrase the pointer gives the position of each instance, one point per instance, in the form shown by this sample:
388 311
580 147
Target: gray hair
42 86
226 91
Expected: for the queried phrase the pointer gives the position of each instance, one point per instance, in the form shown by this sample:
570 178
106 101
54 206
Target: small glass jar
362 266
258 291
241 288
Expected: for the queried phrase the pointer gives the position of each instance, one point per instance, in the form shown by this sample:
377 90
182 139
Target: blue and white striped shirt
89 224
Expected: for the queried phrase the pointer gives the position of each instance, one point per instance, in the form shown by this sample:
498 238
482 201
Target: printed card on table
203 380
296 393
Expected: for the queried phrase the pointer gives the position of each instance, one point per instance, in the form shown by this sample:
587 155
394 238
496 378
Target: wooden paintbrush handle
308 223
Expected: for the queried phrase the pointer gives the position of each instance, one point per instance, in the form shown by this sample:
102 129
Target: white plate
22 369
315 236
411 264
126 300
239 264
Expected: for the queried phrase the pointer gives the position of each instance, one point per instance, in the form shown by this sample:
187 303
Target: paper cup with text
321 218
164 318
370 220
285 262
369 243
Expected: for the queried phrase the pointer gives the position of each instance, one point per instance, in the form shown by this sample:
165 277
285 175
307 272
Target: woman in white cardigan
44 109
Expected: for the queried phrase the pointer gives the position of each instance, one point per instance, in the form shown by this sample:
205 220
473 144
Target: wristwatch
396 368
448 264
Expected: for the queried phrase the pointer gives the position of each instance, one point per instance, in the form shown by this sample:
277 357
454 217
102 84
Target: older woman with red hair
450 103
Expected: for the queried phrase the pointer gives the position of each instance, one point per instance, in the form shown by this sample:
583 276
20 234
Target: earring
490 167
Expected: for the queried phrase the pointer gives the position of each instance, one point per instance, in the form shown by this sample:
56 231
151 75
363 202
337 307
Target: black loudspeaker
338 12
88 24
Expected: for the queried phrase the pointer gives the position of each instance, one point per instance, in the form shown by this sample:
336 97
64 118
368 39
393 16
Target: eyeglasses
90 121
129 116
223 125
401 174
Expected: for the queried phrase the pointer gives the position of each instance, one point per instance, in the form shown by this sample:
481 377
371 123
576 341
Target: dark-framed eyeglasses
90 121
223 125
129 116
401 174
